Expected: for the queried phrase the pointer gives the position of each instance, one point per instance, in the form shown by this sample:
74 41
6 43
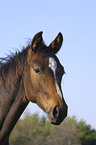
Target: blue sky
76 20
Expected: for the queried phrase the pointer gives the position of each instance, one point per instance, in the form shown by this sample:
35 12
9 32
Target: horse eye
37 71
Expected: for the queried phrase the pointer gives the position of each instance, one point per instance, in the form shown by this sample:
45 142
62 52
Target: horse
35 75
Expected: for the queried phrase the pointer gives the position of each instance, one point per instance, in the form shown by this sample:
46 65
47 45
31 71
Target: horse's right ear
37 41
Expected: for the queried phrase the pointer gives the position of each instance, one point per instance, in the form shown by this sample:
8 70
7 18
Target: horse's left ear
37 41
56 43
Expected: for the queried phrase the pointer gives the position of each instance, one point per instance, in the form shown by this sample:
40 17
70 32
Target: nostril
56 112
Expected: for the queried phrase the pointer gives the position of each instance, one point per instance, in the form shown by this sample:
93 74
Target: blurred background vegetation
37 130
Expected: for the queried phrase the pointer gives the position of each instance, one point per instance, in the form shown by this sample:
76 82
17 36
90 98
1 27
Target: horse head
42 80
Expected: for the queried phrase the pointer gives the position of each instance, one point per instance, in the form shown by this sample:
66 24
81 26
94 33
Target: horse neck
11 75
12 95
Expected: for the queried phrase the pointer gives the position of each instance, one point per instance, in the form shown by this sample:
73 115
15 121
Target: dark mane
13 63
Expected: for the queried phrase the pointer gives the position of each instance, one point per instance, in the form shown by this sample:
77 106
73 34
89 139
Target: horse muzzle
57 114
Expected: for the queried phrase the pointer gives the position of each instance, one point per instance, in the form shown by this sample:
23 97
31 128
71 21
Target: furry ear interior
37 41
57 43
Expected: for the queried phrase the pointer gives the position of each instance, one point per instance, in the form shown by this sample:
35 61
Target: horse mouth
54 121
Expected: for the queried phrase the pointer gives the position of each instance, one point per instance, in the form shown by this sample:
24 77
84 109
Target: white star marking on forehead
53 66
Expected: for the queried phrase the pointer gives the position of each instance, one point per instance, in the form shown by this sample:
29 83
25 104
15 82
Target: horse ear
37 40
56 43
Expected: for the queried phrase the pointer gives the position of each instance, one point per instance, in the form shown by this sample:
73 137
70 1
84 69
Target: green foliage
37 130
86 135
31 129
